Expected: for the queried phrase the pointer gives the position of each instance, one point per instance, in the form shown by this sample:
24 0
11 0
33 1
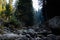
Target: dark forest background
51 9
22 15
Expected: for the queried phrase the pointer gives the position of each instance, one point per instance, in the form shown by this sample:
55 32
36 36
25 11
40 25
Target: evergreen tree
24 9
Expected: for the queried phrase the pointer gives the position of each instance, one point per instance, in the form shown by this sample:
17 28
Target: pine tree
24 9
9 9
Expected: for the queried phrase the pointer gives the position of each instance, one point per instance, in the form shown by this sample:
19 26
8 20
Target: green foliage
7 15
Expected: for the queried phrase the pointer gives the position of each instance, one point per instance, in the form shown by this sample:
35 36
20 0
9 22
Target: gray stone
54 22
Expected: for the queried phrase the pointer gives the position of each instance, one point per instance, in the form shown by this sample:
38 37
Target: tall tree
25 14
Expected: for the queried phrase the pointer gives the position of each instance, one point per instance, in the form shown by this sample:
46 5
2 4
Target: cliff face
54 25
51 8
52 16
55 22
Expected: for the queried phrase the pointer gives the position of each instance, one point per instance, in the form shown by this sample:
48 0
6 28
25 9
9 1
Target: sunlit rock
9 36
31 31
38 38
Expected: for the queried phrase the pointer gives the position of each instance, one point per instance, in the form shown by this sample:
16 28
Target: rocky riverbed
29 34
41 32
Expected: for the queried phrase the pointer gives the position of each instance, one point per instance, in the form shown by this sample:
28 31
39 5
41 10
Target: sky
13 3
37 4
7 1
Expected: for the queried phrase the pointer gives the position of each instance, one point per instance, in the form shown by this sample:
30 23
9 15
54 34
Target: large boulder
54 22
